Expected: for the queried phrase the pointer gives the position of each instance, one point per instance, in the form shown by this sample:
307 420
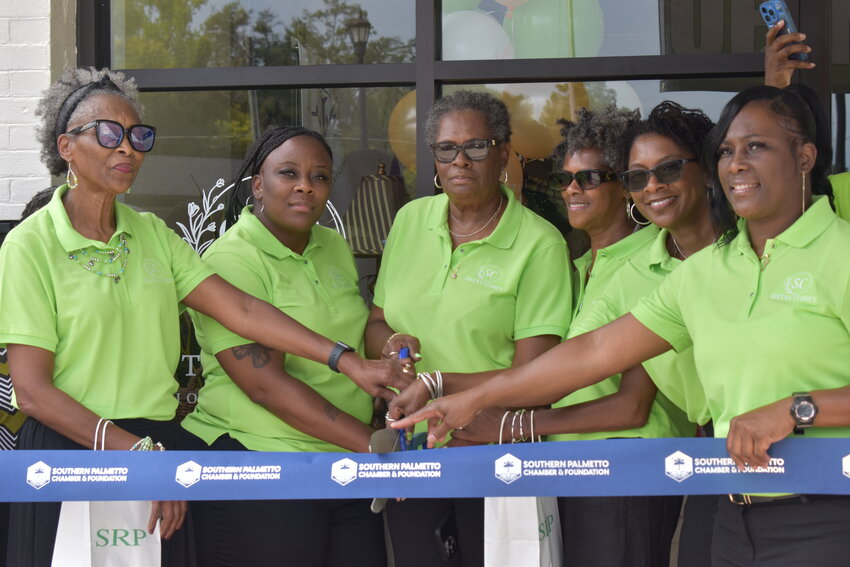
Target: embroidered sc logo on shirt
797 287
488 276
155 272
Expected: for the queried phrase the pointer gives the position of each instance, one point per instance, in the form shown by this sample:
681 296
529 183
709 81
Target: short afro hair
602 131
493 109
61 101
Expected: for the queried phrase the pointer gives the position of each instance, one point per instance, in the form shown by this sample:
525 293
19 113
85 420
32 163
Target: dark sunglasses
667 172
476 150
110 134
585 179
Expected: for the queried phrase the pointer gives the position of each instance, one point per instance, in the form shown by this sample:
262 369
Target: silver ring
393 353
460 428
388 419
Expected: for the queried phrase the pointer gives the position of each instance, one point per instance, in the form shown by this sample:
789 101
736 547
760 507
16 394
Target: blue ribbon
584 468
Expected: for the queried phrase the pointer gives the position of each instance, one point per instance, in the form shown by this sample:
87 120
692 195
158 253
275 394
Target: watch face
804 411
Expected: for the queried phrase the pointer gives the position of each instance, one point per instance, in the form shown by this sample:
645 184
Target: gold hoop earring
437 181
803 201
630 212
505 171
71 178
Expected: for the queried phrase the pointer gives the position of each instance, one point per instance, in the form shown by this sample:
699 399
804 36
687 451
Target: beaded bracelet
146 444
394 335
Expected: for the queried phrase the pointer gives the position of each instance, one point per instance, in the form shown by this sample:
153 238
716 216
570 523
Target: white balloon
473 34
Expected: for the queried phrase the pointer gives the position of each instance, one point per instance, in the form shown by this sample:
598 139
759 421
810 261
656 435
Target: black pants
32 525
697 527
811 531
620 531
415 525
297 533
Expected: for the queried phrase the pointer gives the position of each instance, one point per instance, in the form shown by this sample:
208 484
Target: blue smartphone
772 12
404 352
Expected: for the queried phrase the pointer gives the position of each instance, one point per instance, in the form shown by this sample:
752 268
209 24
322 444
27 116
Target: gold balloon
514 169
535 109
401 130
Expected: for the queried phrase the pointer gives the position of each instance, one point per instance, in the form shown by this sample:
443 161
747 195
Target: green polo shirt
621 291
841 194
608 261
469 305
762 329
319 290
116 345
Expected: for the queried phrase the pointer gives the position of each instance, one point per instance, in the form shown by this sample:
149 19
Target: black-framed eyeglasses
667 172
110 134
585 179
476 150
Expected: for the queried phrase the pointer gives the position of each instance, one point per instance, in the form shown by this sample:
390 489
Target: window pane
149 34
840 82
527 29
203 136
536 107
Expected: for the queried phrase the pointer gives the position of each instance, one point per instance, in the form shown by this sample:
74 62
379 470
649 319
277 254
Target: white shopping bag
522 532
106 534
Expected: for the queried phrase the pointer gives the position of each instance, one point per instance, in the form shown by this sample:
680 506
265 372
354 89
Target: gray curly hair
498 118
596 130
64 101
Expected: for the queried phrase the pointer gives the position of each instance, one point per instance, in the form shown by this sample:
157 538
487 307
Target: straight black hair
806 119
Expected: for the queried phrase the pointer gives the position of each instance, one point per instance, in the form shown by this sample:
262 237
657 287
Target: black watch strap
337 351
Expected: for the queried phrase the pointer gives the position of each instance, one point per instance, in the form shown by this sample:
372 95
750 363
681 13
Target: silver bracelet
502 425
429 383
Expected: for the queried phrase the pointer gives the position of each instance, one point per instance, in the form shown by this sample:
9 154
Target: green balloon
450 6
556 28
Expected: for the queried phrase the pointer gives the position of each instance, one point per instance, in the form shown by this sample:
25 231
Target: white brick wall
24 74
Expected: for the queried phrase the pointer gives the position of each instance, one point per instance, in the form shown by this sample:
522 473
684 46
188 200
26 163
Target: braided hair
66 98
257 153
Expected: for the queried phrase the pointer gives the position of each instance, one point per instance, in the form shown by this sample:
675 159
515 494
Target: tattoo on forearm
331 411
260 355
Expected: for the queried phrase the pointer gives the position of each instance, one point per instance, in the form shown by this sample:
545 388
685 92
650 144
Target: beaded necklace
99 261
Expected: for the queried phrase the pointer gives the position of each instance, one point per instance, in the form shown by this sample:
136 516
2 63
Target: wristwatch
804 411
339 348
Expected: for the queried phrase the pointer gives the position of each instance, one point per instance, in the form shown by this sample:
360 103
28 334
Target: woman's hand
375 377
485 428
411 399
397 342
172 514
751 434
778 68
444 415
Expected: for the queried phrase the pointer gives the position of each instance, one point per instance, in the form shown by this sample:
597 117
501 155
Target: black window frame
427 73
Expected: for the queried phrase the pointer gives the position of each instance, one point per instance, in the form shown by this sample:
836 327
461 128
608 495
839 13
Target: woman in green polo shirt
256 398
629 405
89 302
767 313
471 281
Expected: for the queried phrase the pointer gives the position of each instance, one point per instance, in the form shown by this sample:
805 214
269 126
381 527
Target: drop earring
71 178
